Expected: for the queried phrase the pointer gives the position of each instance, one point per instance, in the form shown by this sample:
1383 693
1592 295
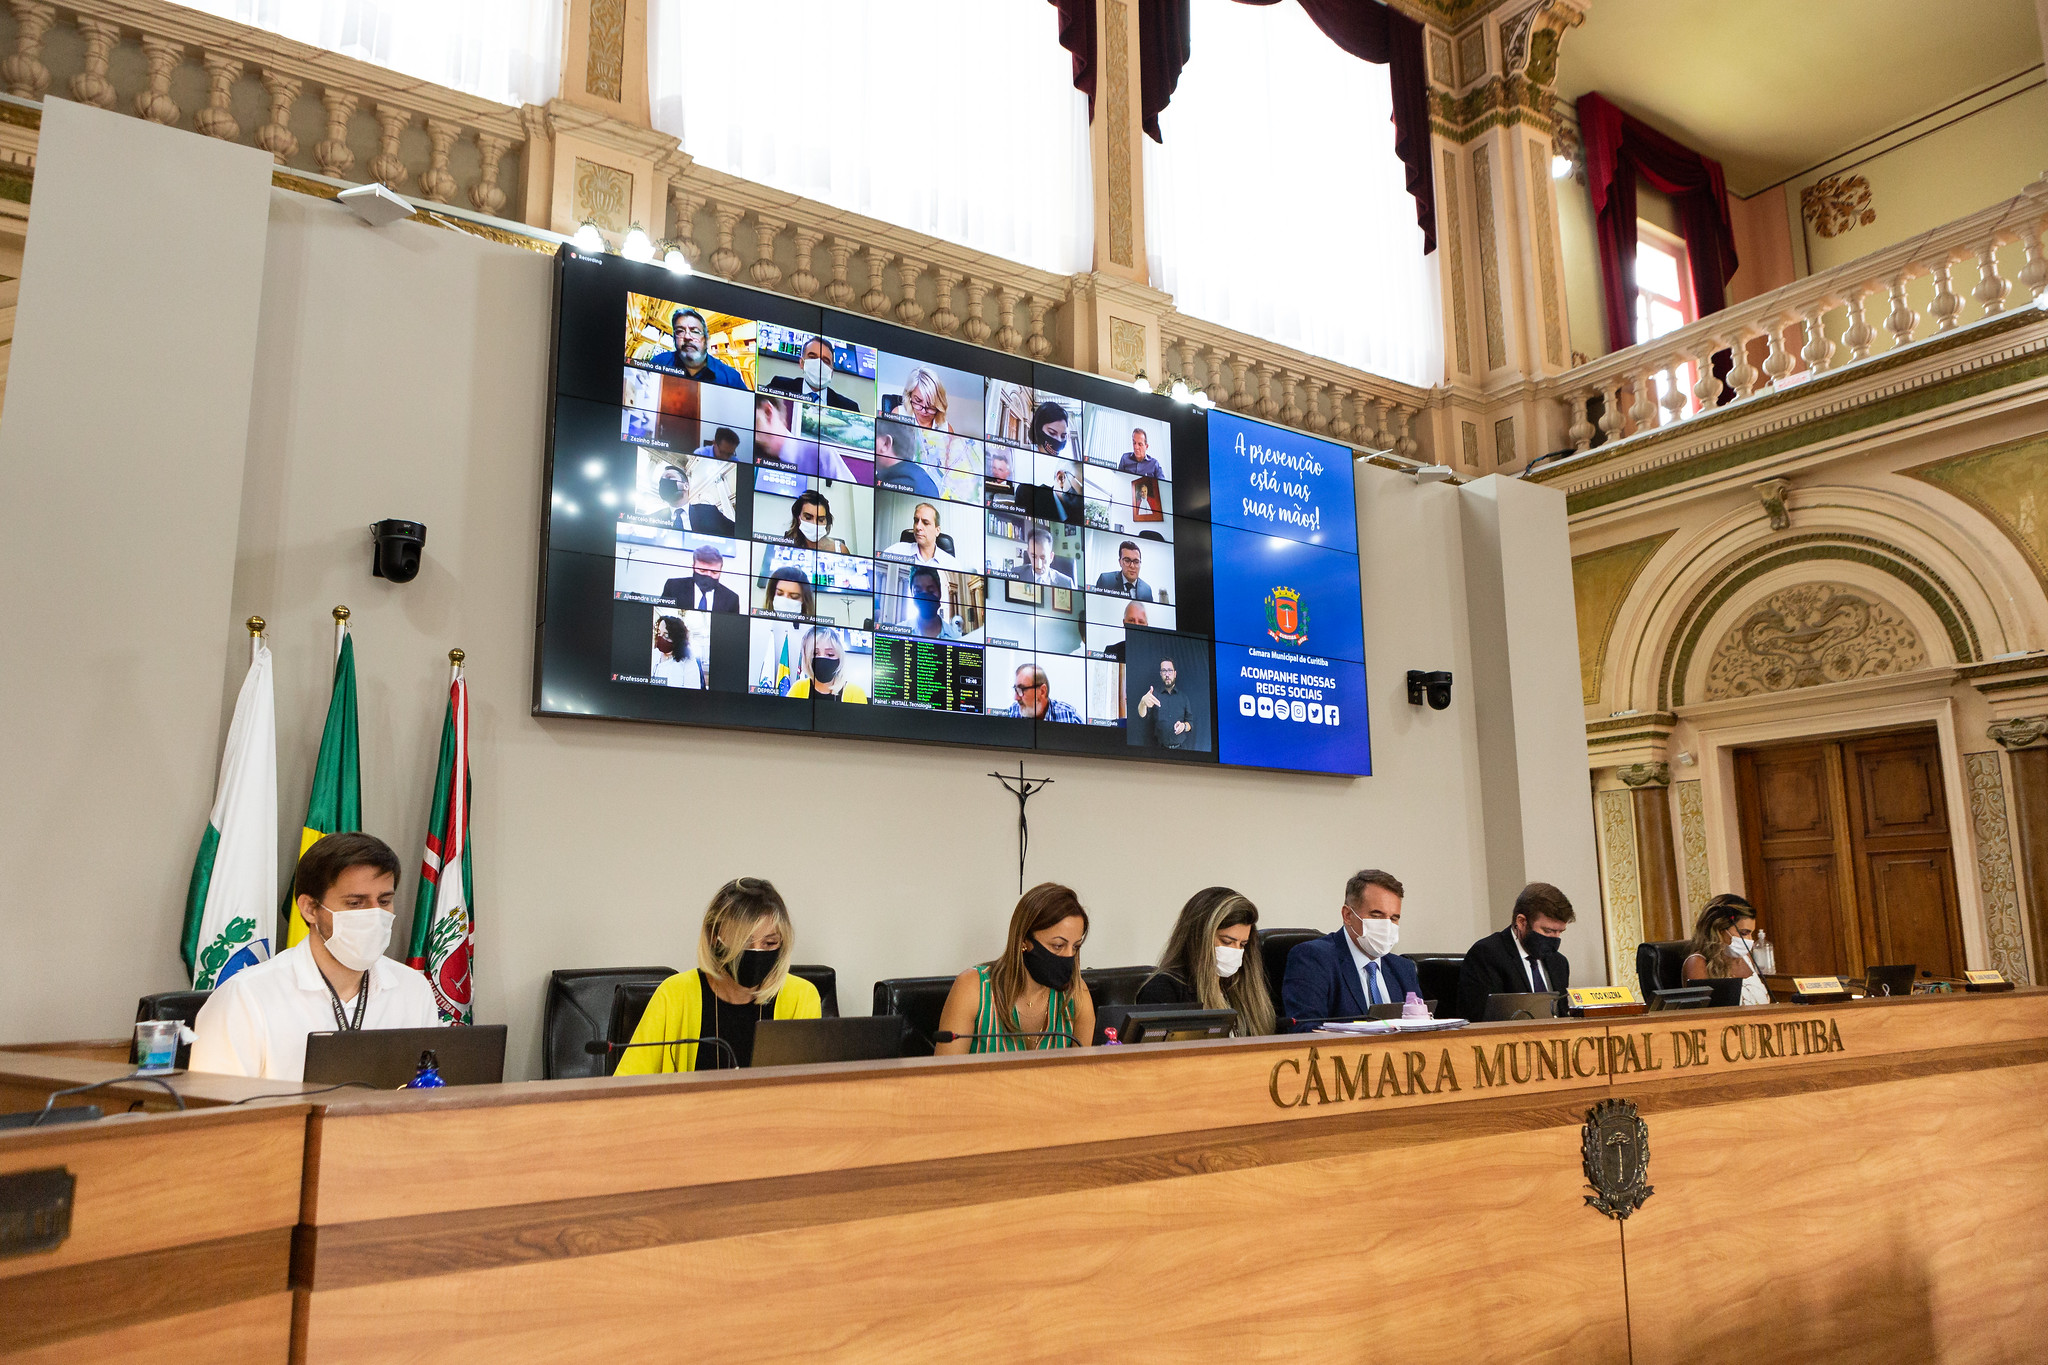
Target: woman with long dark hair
1722 939
1034 987
1211 961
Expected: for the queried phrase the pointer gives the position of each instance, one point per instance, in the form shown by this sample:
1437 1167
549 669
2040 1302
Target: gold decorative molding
1126 346
603 195
1997 880
1692 839
604 73
1810 635
1835 204
1454 247
1489 259
2007 485
1116 114
1622 883
1601 581
1546 254
1504 441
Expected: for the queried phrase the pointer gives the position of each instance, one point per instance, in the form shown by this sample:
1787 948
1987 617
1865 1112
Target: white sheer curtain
956 118
504 50
1277 206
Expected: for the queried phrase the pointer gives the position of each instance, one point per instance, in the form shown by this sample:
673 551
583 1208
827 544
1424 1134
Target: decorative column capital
1645 775
2019 732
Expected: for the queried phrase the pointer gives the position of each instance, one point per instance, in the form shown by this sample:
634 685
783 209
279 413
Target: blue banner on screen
1284 710
1282 594
1280 483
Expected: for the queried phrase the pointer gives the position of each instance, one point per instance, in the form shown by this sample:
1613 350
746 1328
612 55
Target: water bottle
1109 1038
1413 1008
428 1077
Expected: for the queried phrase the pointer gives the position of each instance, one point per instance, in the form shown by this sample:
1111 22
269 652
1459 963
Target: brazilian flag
337 800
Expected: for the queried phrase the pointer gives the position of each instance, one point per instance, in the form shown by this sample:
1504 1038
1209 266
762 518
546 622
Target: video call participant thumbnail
702 591
678 657
1167 713
927 615
825 668
691 352
896 466
1126 577
789 593
925 545
1138 459
814 384
742 976
1033 690
1038 560
336 977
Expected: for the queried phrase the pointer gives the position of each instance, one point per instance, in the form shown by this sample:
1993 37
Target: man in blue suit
1342 974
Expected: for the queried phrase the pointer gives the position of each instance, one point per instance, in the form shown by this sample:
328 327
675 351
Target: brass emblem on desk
1617 1153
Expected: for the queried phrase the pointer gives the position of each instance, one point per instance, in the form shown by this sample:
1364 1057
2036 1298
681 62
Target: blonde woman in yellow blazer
742 977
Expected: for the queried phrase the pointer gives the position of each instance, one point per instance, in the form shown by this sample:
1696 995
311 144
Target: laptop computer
1526 1005
1163 1023
1696 996
1890 980
388 1058
798 1042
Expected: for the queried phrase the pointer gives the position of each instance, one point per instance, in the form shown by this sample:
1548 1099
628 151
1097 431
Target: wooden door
1847 853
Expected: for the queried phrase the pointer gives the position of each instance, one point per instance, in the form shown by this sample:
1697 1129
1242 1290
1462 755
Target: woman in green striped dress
1035 987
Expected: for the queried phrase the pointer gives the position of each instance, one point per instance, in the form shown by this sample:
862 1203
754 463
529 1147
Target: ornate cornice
1645 775
2020 732
1663 720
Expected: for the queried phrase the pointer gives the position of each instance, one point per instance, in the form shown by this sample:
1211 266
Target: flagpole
455 658
255 624
340 629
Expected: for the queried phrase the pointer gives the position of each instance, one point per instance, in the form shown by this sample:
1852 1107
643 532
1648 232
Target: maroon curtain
1620 148
1366 29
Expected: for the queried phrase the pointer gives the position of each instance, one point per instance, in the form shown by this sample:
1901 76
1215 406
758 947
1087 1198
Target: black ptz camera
397 552
1435 687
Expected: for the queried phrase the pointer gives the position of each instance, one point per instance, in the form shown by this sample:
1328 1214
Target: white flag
234 879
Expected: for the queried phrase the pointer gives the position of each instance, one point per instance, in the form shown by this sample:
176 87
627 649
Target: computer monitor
388 1058
1890 980
1697 996
797 1042
1164 1023
1527 1005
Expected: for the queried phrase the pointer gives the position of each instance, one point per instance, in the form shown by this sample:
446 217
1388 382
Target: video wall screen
770 515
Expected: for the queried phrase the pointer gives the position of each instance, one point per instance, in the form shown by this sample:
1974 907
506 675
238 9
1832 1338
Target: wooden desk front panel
180 1244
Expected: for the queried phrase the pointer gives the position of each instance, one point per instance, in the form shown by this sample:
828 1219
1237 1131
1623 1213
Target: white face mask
1228 960
817 372
360 936
1738 945
789 606
811 529
1378 936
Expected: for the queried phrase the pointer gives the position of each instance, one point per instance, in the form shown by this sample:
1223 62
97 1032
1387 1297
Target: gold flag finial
341 613
456 656
255 624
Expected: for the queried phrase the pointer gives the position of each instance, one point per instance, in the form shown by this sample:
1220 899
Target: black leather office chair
182 1006
1114 985
943 540
1437 975
1274 946
918 999
827 982
579 1007
1661 966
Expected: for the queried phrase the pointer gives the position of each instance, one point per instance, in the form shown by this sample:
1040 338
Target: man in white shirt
923 545
335 978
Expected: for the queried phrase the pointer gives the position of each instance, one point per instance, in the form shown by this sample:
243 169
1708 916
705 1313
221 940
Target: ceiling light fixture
374 204
672 256
1561 167
637 247
588 239
1179 392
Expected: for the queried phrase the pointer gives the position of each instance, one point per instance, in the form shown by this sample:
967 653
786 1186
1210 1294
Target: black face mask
1540 945
824 669
1047 967
754 966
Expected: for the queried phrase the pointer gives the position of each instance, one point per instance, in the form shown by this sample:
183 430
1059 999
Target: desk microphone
601 1048
947 1036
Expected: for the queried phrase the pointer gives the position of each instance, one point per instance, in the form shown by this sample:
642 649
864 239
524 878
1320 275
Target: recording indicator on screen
927 674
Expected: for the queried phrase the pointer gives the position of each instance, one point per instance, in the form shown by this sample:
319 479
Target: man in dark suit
814 385
1342 974
1124 578
1522 958
702 591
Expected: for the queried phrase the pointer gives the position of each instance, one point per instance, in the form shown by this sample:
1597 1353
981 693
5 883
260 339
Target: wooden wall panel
1377 1255
1775 1235
253 1332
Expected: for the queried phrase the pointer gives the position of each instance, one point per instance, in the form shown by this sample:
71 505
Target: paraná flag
443 920
337 800
235 874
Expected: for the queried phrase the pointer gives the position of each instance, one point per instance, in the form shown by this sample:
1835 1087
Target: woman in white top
1721 942
674 664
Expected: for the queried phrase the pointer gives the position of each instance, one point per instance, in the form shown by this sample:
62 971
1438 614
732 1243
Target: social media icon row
1313 712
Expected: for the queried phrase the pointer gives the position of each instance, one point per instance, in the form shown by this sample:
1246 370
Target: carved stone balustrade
311 109
1815 326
